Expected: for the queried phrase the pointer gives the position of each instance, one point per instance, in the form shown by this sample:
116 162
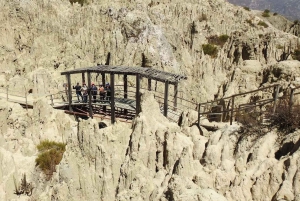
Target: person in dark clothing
108 91
94 92
78 92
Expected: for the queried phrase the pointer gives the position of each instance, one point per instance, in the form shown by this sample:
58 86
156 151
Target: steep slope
57 36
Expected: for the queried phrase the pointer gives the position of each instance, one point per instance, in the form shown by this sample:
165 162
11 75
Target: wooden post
90 94
199 114
166 98
103 79
103 84
125 87
83 77
125 91
69 91
149 84
232 109
291 103
175 96
137 94
112 98
276 91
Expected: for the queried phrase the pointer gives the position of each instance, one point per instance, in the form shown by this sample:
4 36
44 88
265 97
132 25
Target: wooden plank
90 95
166 99
112 99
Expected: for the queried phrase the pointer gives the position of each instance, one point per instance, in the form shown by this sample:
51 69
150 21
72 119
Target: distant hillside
288 8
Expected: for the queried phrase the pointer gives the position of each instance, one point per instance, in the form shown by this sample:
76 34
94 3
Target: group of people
83 92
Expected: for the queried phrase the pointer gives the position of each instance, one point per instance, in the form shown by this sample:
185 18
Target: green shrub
246 8
249 21
275 14
218 40
210 49
50 155
262 23
266 13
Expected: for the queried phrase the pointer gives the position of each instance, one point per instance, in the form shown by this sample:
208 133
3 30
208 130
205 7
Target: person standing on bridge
78 92
94 92
84 90
101 92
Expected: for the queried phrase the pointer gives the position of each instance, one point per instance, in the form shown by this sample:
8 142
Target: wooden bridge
125 100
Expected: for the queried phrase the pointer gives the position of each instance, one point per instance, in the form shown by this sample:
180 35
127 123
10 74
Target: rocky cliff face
41 39
152 159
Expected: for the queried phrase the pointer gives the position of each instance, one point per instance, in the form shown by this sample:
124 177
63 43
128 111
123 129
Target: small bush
262 23
218 40
81 2
246 8
266 13
210 49
50 156
275 14
285 119
296 54
249 21
296 22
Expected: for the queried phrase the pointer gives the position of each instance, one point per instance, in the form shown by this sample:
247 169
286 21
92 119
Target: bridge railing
227 110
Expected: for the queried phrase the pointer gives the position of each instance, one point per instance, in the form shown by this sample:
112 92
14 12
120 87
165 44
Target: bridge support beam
90 95
69 91
137 94
175 96
149 84
125 86
166 99
83 77
103 79
112 98
125 91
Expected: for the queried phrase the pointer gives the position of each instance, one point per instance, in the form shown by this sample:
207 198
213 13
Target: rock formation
152 158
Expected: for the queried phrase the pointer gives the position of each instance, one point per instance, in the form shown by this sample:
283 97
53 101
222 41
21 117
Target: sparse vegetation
249 21
275 14
262 23
210 49
24 187
50 155
285 118
246 8
81 2
218 40
266 13
296 54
